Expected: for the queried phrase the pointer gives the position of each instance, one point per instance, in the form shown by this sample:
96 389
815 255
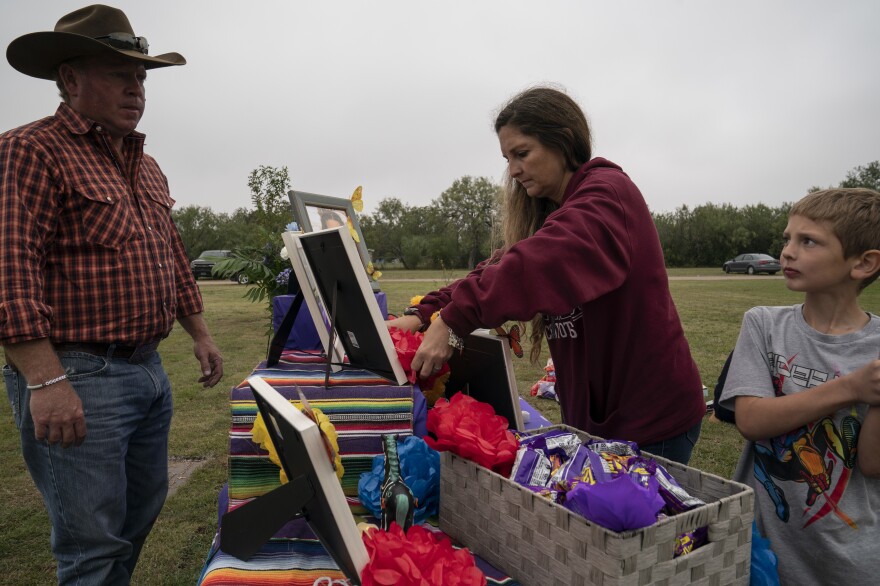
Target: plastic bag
764 562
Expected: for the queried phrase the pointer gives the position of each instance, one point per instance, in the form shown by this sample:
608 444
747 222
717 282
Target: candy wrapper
580 468
472 430
688 542
420 468
531 468
608 482
676 498
557 496
553 443
618 504
616 447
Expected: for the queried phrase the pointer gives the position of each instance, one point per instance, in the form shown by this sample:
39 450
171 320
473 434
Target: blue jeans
676 448
104 495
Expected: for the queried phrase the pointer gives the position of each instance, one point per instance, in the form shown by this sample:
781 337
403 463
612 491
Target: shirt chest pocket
157 212
106 214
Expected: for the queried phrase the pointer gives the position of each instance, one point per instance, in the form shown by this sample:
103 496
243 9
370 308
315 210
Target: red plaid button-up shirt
88 250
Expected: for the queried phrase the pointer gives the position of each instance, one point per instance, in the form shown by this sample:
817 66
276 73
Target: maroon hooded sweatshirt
595 270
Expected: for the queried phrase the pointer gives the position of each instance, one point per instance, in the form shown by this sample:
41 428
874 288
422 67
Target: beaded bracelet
49 382
455 341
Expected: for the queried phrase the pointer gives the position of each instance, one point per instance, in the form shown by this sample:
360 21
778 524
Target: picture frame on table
315 212
327 261
314 302
312 492
484 370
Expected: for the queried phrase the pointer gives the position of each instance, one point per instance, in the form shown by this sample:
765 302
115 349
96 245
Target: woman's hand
410 323
434 351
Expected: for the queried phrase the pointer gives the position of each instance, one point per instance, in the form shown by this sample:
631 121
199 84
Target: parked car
204 265
752 263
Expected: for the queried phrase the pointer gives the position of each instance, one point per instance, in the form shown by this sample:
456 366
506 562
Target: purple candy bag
676 498
619 504
691 540
531 467
557 496
557 442
616 447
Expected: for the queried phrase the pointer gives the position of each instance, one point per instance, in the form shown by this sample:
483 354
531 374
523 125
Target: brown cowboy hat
93 30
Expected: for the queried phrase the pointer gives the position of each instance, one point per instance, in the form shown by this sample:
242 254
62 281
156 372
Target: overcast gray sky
740 102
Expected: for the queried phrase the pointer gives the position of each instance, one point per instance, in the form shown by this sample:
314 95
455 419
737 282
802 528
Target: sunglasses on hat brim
125 41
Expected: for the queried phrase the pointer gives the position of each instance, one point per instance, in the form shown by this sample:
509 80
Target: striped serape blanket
362 407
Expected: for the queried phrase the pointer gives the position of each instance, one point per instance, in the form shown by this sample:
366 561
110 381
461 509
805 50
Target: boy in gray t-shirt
805 384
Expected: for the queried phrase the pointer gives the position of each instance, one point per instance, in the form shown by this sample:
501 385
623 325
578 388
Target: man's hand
56 410
206 351
58 415
434 351
210 360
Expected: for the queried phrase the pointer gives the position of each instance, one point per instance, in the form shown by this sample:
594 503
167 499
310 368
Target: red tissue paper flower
406 343
417 558
471 429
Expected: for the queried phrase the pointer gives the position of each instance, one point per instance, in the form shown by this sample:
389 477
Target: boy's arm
760 418
764 417
869 444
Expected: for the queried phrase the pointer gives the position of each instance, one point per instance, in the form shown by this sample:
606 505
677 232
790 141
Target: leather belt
133 354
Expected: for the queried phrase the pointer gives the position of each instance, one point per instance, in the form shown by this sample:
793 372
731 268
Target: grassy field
710 310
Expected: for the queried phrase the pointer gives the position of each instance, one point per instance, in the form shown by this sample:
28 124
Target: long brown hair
558 123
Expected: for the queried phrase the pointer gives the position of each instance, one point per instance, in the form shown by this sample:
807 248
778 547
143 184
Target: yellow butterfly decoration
357 203
376 275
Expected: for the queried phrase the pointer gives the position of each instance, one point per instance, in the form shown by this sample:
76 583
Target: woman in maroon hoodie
582 260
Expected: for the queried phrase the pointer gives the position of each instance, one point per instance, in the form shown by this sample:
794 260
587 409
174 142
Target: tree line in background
456 229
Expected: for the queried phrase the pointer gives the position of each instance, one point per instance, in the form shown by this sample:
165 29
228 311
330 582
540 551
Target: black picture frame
331 261
319 312
484 370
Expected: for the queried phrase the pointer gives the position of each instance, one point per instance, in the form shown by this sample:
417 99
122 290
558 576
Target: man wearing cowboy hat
92 276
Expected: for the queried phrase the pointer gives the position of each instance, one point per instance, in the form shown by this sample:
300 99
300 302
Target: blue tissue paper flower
420 467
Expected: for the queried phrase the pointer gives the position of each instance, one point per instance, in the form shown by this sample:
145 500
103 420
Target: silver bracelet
455 341
49 382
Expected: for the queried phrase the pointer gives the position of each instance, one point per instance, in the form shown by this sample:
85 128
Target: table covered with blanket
362 407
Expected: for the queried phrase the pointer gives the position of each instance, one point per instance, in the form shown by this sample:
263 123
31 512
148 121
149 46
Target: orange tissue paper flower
417 558
471 429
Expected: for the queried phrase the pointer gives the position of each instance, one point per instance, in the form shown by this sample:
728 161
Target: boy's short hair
854 216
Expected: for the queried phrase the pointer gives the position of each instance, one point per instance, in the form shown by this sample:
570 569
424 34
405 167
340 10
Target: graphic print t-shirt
811 500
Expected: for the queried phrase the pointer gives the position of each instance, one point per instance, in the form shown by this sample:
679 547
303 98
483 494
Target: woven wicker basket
540 543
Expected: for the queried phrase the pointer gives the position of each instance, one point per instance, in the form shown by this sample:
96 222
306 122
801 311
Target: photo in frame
315 212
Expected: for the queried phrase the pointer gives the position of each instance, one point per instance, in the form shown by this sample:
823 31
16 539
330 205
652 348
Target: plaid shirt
88 250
